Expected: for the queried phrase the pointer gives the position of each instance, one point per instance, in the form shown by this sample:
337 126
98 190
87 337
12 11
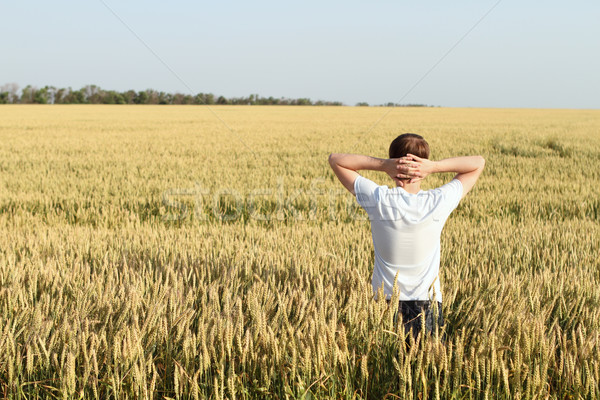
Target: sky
525 54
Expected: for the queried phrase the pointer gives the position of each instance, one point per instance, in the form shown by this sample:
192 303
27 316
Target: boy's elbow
481 162
332 158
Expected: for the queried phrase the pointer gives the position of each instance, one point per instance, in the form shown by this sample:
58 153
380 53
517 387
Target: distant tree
59 95
239 101
178 98
362 104
75 96
152 96
13 92
164 98
199 98
27 94
4 97
128 96
141 98
303 102
119 98
112 97
93 94
254 99
222 100
204 99
41 96
33 95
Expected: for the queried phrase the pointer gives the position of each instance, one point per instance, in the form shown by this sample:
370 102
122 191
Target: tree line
92 94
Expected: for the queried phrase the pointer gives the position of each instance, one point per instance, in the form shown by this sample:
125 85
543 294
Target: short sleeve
365 191
452 193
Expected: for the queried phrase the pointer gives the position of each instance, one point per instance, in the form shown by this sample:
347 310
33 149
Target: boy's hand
390 167
413 167
397 171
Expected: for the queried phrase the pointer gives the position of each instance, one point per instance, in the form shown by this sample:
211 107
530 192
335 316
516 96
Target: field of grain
164 252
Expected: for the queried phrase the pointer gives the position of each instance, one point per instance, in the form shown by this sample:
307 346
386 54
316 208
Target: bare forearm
357 162
459 165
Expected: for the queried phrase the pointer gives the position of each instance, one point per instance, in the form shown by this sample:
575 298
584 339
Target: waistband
416 303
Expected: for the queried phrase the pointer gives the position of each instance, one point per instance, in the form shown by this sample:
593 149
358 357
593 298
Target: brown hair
409 143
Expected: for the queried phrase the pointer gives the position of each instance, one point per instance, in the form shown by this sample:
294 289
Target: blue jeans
412 312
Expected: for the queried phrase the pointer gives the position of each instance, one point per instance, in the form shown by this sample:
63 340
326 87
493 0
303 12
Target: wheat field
191 253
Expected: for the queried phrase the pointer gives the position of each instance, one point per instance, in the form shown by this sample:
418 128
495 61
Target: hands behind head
412 168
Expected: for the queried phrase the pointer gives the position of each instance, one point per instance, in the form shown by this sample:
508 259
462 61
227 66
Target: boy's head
409 143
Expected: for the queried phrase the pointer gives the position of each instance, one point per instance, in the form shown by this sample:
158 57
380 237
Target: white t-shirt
406 231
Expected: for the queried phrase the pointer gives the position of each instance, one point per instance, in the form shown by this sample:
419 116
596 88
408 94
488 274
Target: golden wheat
150 252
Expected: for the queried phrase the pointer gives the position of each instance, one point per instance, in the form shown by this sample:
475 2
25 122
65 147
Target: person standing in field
406 222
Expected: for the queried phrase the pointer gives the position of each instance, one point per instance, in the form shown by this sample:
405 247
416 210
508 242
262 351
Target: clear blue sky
523 54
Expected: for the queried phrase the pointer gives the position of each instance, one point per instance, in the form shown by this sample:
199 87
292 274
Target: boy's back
406 222
406 232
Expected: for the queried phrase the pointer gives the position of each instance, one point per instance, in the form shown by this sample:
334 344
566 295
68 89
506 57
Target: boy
406 222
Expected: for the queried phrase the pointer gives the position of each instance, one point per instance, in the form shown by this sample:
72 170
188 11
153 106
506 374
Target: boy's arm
467 168
346 165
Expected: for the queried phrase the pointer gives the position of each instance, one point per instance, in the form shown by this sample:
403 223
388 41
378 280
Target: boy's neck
413 188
